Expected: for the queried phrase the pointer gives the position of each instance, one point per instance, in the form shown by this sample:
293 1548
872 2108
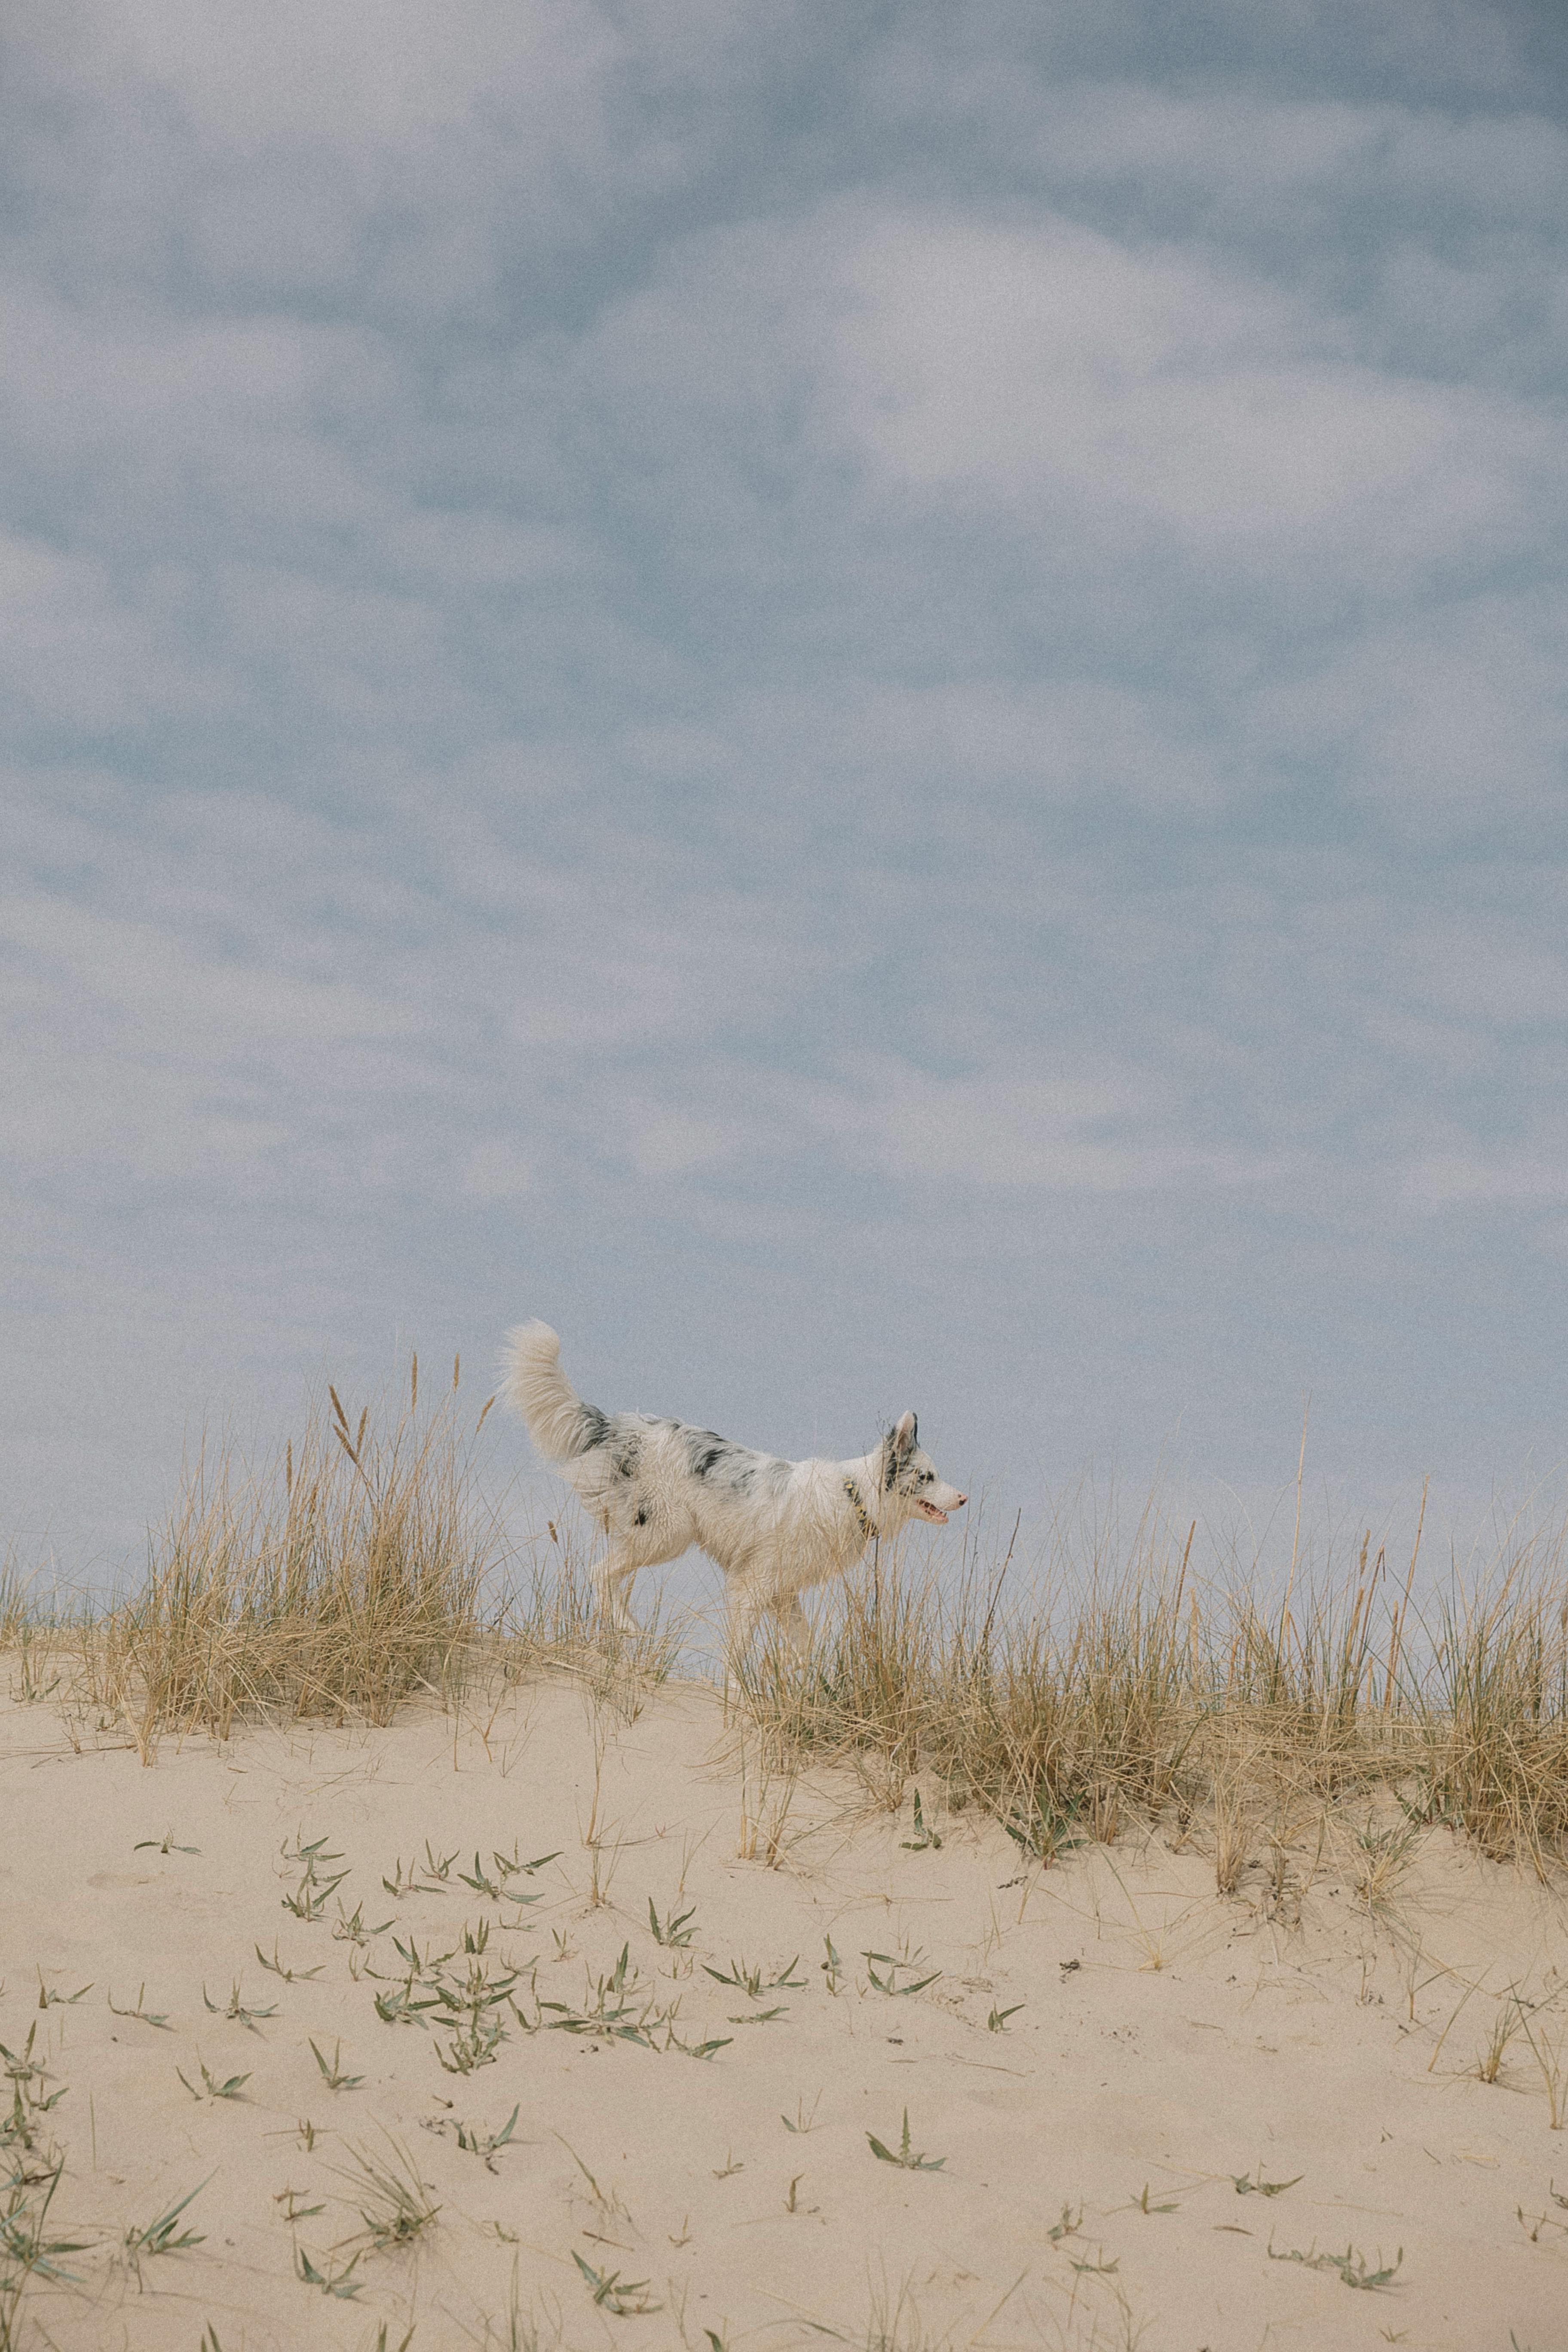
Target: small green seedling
400 2007
401 1883
289 1976
312 1858
923 1838
1044 1829
625 2298
166 1844
1101 2269
752 1982
905 2158
832 1967
430 1965
997 2021
730 2166
333 2076
236 2011
892 1964
609 2011
349 1929
1140 2204
50 1999
341 2284
28 2075
158 2237
711 2049
231 2089
510 1867
473 2044
292 2209
1352 2265
309 1896
485 2145
1247 2187
803 2122
22 2240
1532 2224
1067 2227
677 1932
147 2016
308 1900
761 2017
483 1882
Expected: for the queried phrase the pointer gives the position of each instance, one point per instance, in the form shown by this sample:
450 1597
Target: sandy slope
1165 2039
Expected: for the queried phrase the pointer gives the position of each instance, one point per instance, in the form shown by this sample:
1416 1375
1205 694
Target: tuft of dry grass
1130 1690
1129 1685
362 1567
335 1583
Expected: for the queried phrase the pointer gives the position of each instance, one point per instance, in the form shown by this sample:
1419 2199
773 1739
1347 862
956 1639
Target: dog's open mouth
930 1511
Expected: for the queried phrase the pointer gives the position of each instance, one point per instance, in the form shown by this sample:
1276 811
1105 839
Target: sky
869 702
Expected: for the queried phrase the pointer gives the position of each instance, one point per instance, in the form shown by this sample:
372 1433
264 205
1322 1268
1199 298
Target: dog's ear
904 1437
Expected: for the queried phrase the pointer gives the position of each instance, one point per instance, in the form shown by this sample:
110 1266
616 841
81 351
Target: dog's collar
858 1507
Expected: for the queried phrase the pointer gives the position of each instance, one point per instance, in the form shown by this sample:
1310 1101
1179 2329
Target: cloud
901 672
497 1171
1061 366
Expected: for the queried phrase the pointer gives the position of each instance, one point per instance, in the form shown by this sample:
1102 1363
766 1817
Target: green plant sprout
147 2016
676 1931
890 1961
923 1838
1352 2265
908 2161
333 2075
236 2011
231 2089
625 2298
158 2237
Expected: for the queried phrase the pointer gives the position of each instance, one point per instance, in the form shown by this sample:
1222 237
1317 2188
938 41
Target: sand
1165 2047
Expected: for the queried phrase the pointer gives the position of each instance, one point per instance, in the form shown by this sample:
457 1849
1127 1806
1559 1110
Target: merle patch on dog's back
719 1463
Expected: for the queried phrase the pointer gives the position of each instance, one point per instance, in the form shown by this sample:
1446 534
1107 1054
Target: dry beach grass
1108 1961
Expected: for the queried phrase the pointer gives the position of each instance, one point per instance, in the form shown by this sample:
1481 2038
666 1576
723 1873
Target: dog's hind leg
793 1625
643 1547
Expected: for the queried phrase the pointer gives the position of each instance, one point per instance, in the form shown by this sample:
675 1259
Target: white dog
658 1487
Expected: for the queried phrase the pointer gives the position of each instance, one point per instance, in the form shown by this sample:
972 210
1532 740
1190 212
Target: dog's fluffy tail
534 1385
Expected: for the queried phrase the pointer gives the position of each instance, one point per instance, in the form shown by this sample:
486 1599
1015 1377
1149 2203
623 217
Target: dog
657 1487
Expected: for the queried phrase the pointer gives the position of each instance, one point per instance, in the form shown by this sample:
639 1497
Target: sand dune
1138 2112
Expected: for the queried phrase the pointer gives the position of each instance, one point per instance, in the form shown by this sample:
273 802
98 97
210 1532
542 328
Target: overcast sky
868 701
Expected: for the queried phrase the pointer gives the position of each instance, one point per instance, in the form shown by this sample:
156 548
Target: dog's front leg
742 1609
612 1579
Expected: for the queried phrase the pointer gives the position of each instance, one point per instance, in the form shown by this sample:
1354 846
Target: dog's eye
927 1477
